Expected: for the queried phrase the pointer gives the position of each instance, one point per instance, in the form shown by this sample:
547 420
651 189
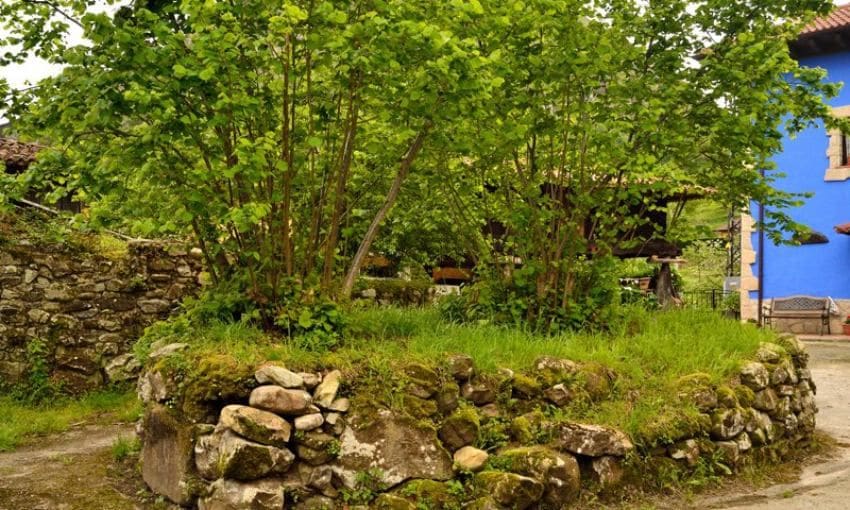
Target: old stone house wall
86 309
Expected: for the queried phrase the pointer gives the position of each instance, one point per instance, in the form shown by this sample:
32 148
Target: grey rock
461 367
340 405
558 395
167 350
755 376
607 471
277 375
167 466
687 451
480 392
122 368
257 425
509 489
281 400
470 459
309 422
726 423
223 454
225 494
766 400
310 379
325 392
559 473
592 440
388 442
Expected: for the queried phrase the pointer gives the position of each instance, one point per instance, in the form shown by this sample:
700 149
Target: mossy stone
509 489
695 380
419 407
553 370
726 397
215 379
447 397
461 428
525 428
525 386
392 502
559 472
745 395
597 380
423 382
429 493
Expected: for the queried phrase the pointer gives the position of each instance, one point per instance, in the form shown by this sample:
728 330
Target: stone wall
454 438
86 309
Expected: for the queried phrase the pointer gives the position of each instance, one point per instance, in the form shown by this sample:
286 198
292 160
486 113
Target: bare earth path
69 471
824 485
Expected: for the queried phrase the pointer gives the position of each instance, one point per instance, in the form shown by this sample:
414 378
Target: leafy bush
518 301
37 387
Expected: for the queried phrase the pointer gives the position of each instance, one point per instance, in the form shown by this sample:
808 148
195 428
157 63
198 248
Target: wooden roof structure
17 155
827 34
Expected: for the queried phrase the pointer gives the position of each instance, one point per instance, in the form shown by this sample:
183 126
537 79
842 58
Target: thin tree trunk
392 195
346 154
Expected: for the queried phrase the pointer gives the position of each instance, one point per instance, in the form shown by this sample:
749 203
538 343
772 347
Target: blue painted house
816 161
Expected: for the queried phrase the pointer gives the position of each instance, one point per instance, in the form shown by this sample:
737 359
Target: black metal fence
726 301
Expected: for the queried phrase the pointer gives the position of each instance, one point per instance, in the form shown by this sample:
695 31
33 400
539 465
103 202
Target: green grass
649 352
124 447
21 422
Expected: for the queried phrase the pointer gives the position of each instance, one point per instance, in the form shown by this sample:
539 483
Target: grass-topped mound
630 377
491 414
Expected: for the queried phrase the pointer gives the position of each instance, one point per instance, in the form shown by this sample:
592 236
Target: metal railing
709 299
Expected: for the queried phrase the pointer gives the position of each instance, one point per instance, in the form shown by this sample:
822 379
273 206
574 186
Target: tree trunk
664 290
392 195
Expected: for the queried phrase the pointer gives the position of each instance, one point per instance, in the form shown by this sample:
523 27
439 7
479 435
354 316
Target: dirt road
69 471
826 485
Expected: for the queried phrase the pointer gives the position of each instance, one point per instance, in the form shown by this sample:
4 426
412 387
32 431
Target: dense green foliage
284 135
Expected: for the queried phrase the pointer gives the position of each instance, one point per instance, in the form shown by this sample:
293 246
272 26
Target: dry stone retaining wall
87 309
280 439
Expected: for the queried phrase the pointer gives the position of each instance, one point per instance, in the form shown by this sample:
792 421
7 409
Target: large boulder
558 472
592 440
398 446
281 400
266 494
510 489
257 425
167 454
224 454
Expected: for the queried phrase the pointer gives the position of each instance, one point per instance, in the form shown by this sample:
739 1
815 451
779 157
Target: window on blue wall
845 150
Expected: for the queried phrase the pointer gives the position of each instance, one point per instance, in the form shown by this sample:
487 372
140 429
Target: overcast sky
28 73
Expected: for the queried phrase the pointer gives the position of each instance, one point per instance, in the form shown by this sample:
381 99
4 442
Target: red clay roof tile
839 18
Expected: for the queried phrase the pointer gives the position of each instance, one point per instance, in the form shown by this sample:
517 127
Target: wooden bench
798 307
